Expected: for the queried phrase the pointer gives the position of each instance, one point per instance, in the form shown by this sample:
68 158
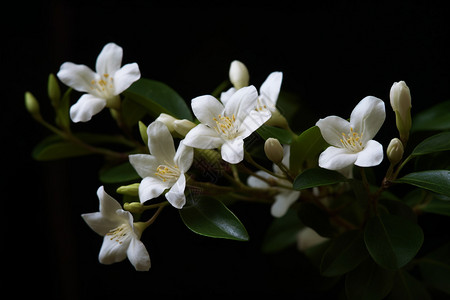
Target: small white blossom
164 168
351 142
102 87
121 235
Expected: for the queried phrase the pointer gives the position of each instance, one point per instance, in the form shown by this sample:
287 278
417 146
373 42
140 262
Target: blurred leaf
435 143
317 177
282 232
284 136
436 206
392 241
345 253
132 112
119 174
54 147
316 218
435 268
62 111
210 217
437 181
307 146
157 98
407 287
368 281
434 118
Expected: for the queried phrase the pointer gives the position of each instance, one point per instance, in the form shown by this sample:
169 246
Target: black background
332 54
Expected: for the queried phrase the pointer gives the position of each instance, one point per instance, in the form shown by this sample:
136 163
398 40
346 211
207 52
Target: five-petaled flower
102 87
286 195
163 168
226 126
351 142
121 235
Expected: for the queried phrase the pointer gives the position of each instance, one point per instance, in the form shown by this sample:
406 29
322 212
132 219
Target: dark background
332 54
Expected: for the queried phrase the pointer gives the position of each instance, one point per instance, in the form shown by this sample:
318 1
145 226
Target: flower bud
182 127
273 150
238 73
133 207
395 151
400 97
54 93
131 190
167 120
32 105
143 132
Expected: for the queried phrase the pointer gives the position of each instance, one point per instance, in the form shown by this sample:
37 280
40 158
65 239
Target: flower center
119 234
352 141
167 172
225 126
104 88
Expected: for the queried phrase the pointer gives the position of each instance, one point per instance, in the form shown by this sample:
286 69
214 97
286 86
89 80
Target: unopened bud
143 132
395 151
400 97
238 73
167 120
133 207
182 127
273 150
32 105
54 93
131 190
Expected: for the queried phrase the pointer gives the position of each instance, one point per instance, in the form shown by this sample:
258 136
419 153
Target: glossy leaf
119 174
392 241
434 118
435 143
345 253
317 177
284 136
157 97
307 146
368 281
210 217
437 181
282 232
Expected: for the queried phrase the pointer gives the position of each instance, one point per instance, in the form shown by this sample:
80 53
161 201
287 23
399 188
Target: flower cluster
315 181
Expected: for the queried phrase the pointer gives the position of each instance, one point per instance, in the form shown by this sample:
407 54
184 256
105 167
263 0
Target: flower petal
255 182
368 117
206 108
144 164
150 188
184 157
332 128
233 151
160 142
372 155
225 96
270 89
86 107
241 103
107 204
253 121
112 251
109 59
203 137
78 77
138 255
125 76
175 195
282 203
334 158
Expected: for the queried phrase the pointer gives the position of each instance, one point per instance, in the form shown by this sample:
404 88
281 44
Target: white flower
121 235
103 86
164 168
351 142
226 127
286 196
308 238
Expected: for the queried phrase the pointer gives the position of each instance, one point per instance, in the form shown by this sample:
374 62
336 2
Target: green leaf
307 146
345 253
317 177
407 287
284 136
210 217
132 112
316 218
368 281
282 232
392 241
436 206
435 143
434 118
157 98
437 181
435 268
54 147
119 174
